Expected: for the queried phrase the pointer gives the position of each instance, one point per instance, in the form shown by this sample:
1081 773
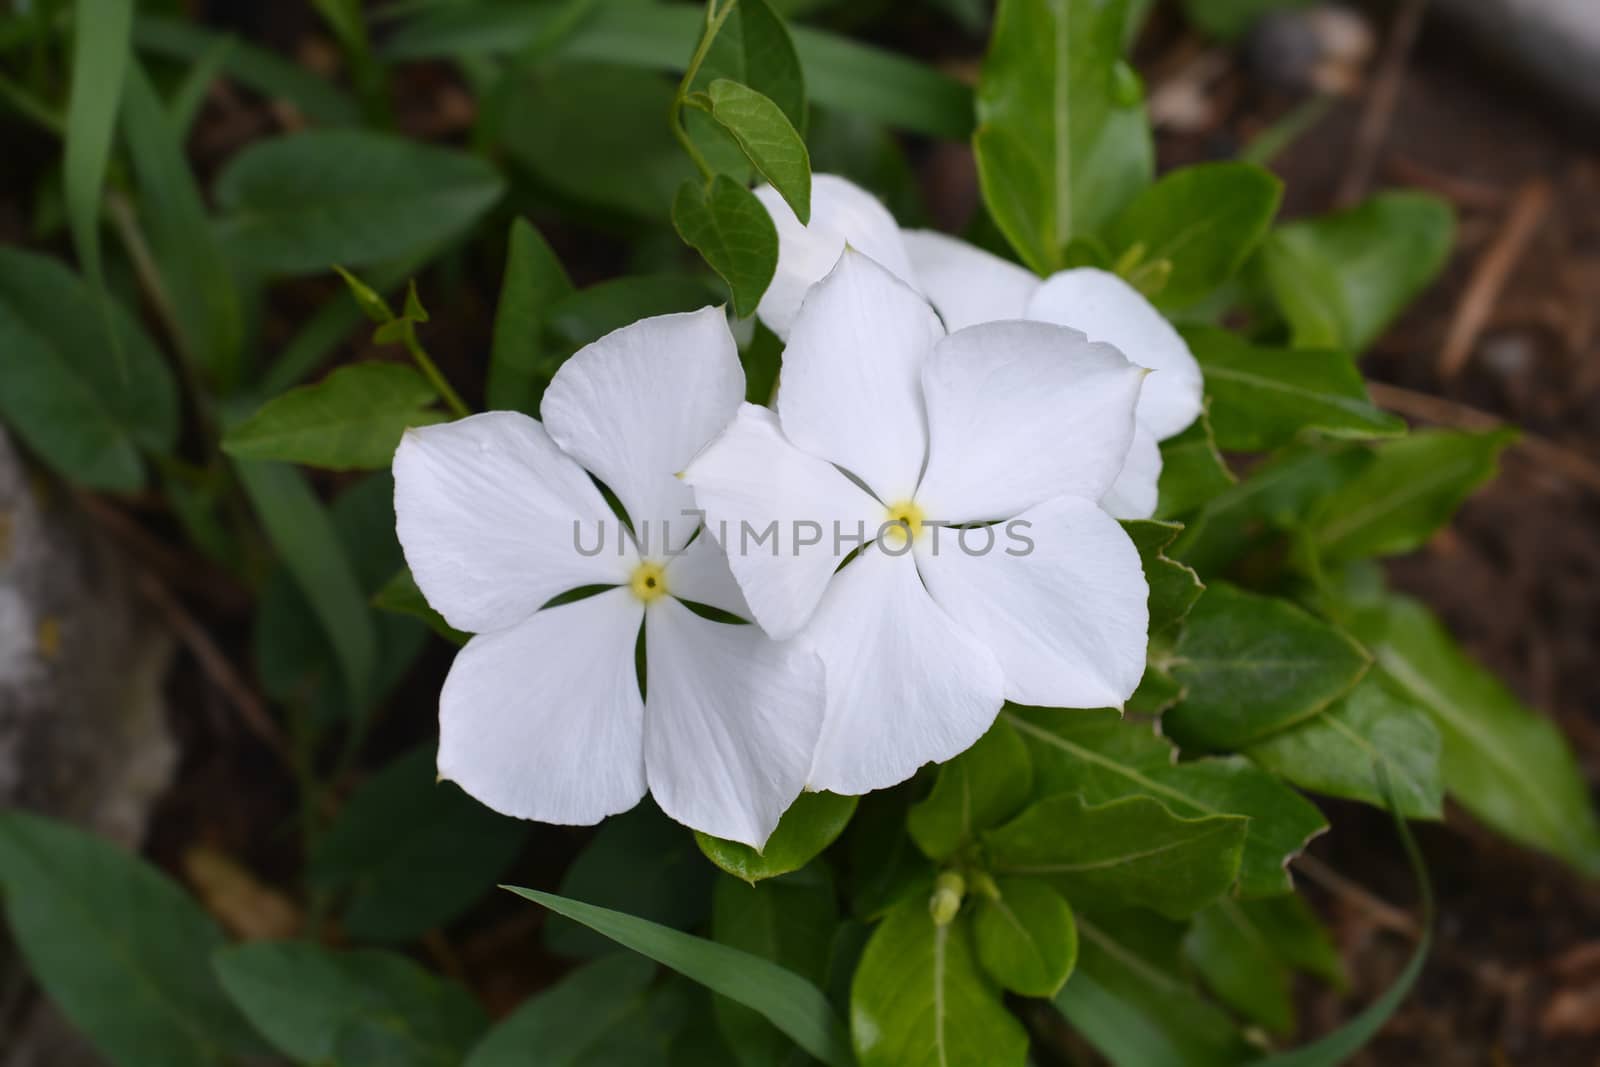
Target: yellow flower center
907 519
649 582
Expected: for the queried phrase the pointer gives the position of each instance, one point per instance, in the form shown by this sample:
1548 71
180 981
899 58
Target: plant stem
714 22
430 370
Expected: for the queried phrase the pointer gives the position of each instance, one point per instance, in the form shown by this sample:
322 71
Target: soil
1515 979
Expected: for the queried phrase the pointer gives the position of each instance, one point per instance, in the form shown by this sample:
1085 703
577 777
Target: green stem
430 370
714 21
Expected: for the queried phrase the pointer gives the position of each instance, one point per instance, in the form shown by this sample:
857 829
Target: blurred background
135 680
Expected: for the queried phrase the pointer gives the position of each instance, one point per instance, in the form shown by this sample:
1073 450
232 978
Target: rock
1554 42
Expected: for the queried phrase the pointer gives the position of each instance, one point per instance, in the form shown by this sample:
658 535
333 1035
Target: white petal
700 574
1020 412
635 406
1133 494
965 284
544 720
762 498
1067 619
1108 309
491 515
851 391
906 684
841 213
731 720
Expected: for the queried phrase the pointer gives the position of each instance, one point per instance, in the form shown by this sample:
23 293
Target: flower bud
948 890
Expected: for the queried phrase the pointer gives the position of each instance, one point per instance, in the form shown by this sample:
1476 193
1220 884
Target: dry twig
1379 111
1490 275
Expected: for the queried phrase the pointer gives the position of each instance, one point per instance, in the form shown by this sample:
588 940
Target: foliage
1130 867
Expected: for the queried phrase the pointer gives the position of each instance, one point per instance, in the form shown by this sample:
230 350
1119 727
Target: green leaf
1261 398
1132 851
812 823
592 1016
1174 586
257 69
642 864
1240 966
1062 144
919 999
1253 665
1128 999
1337 752
789 1002
1192 471
401 596
768 139
411 852
883 866
1204 220
981 788
100 51
1025 936
1276 497
299 529
1342 278
839 73
789 921
754 49
1100 757
195 275
120 949
1228 19
534 279
300 203
590 314
351 420
64 390
727 225
1411 489
317 1005
1501 761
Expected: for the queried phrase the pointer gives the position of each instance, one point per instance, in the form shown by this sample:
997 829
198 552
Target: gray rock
1555 42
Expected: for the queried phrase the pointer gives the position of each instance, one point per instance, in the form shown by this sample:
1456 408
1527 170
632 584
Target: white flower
967 285
542 716
882 418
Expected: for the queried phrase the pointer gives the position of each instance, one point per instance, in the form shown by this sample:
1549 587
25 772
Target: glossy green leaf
100 51
642 864
1501 761
1342 278
320 1006
1174 586
301 203
401 596
64 391
1192 471
411 853
122 951
812 823
919 999
727 225
1100 757
790 921
1062 143
754 49
1337 752
196 278
299 529
839 73
351 420
1401 499
1239 966
1252 665
1132 851
768 139
258 69
1130 1000
981 788
534 279
1025 936
1261 398
589 314
1204 220
597 1015
789 1002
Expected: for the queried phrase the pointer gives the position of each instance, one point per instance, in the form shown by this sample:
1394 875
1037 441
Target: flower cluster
928 388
